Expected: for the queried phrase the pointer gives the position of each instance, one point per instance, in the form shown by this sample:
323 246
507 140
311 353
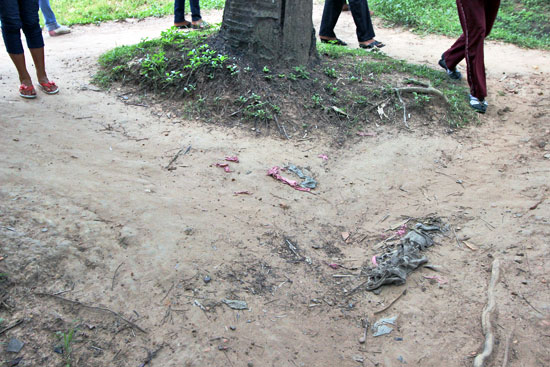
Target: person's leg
11 33
179 14
491 11
363 22
31 27
195 10
49 16
331 13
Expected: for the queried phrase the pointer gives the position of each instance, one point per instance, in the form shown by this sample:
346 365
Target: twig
17 323
507 350
529 303
491 227
150 356
114 275
479 361
177 155
281 128
392 302
417 82
169 290
397 91
95 308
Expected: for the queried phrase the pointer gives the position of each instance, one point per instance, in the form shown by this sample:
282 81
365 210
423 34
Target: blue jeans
179 11
49 16
17 15
360 13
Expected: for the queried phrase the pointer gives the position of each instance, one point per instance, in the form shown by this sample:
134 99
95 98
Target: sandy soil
89 212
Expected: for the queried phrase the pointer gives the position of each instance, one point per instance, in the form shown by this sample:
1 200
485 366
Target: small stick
391 303
95 308
428 90
177 156
114 276
404 107
17 323
489 224
167 293
529 303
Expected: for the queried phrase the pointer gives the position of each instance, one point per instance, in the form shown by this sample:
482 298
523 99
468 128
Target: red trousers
476 18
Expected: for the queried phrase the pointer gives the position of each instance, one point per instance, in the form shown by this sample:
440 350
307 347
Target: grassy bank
522 22
70 12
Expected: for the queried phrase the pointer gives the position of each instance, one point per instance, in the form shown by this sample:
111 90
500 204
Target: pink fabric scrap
334 266
242 193
323 157
232 159
374 260
440 280
363 133
225 167
274 172
402 231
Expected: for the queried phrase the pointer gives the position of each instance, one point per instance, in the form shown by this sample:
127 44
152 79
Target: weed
330 72
317 99
301 72
266 70
153 66
67 339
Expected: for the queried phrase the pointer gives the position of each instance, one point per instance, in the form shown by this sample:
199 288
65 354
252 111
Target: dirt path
88 208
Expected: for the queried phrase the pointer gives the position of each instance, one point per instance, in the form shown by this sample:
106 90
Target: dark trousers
179 10
16 15
477 18
361 16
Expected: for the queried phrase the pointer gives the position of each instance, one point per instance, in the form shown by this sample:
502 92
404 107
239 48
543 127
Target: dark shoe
477 105
186 25
337 42
371 45
453 74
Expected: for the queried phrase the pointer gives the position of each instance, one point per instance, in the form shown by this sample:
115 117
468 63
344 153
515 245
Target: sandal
185 25
49 87
27 88
200 24
336 41
371 45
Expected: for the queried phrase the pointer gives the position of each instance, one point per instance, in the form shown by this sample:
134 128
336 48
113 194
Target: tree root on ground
479 361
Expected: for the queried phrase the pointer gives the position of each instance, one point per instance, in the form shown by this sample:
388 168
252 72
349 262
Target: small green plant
420 99
301 72
153 66
233 68
331 89
67 338
330 72
292 77
204 56
316 99
281 76
266 70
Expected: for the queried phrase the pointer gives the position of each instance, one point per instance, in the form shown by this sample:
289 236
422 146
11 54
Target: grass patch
525 23
343 93
71 12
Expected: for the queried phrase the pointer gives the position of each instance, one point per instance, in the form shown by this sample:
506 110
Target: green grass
523 22
69 12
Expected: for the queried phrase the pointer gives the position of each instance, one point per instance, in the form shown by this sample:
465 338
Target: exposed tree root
479 361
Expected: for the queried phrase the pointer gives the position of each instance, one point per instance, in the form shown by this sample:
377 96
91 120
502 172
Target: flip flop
187 25
49 87
371 45
337 42
26 88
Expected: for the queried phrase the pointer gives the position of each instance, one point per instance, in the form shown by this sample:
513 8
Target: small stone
58 350
547 156
399 339
222 347
15 346
358 358
316 246
44 229
188 231
207 279
232 327
250 364
518 259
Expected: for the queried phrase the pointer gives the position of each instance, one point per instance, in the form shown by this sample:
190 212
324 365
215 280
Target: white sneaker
59 31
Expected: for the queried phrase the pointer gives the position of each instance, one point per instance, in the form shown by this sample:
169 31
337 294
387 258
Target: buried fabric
393 266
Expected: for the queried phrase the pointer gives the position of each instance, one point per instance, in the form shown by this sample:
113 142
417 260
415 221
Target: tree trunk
270 31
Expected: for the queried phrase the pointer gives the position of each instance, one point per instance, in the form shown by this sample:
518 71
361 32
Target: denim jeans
361 16
49 16
179 10
16 15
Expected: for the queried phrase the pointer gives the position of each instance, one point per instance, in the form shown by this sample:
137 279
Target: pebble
233 327
207 279
250 364
15 346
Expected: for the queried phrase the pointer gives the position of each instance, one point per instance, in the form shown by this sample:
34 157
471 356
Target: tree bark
270 31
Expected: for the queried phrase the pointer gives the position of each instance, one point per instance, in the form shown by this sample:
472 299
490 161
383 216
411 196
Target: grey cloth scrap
308 181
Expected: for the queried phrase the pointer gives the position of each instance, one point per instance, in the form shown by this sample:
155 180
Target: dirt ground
89 213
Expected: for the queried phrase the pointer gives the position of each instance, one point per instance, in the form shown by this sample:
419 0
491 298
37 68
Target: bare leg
24 77
39 64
